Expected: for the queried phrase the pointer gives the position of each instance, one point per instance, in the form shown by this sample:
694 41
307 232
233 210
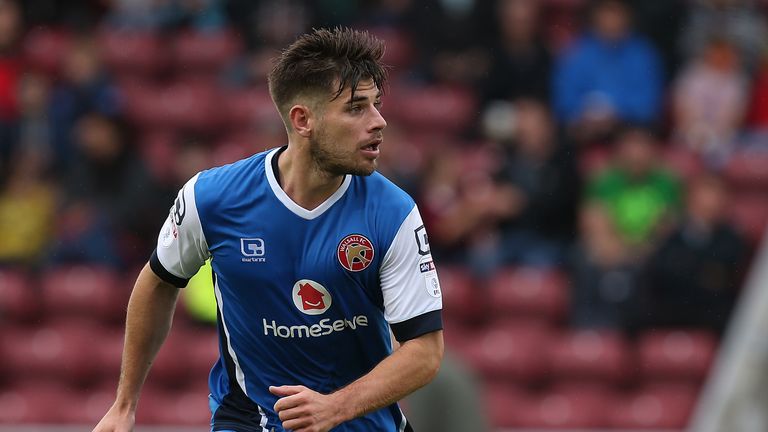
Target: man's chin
363 172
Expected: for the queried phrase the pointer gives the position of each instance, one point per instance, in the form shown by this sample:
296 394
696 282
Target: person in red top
10 74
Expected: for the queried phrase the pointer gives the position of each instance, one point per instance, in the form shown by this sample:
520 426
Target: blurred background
593 174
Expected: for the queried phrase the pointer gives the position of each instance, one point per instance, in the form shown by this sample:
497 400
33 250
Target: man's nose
378 122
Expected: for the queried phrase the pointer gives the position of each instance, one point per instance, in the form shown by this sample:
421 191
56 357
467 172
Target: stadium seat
503 403
38 402
84 291
445 109
191 105
676 354
591 355
203 350
565 409
109 351
508 352
656 407
243 143
252 107
400 48
592 160
94 401
158 150
463 298
19 300
160 406
682 161
524 291
170 368
204 52
132 52
60 351
749 212
748 170
44 49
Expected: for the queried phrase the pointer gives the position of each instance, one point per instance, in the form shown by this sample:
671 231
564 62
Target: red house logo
310 297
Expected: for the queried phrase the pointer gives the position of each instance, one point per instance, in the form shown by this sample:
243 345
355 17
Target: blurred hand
509 201
116 420
304 410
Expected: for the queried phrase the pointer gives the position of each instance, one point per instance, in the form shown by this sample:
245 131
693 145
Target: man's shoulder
230 180
234 169
383 191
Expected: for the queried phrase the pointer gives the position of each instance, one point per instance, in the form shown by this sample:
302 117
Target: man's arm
150 311
410 367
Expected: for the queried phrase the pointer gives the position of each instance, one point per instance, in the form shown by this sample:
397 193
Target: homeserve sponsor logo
323 328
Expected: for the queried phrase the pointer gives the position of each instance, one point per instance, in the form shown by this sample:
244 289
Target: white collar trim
290 204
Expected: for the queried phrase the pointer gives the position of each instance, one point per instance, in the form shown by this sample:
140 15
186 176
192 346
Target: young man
315 258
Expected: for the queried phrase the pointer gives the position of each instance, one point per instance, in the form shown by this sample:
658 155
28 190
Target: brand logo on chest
355 252
310 297
253 250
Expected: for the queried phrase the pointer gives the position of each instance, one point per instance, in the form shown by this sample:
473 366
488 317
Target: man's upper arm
409 282
181 246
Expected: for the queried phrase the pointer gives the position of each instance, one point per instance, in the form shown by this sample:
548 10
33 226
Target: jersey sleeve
409 282
181 247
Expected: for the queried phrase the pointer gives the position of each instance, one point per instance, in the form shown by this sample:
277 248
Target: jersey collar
290 204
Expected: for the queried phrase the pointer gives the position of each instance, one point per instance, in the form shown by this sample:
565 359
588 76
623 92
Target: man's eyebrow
363 98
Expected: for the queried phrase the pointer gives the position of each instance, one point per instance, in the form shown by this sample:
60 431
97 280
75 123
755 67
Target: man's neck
302 180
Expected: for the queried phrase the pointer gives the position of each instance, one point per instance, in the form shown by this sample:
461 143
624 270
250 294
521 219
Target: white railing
735 398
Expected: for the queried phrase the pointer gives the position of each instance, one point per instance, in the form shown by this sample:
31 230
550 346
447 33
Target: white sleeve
181 246
408 277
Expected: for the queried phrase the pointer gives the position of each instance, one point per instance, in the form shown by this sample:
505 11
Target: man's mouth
372 146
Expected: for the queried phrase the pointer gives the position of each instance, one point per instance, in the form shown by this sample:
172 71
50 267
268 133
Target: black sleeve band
418 325
162 273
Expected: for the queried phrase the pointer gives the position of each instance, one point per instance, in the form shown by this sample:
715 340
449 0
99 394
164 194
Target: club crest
355 252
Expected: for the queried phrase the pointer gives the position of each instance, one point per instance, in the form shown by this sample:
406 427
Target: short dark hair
316 60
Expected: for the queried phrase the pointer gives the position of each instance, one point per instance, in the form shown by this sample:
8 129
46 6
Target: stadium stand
61 320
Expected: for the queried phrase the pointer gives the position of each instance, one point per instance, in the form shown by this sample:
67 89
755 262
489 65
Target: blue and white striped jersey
304 296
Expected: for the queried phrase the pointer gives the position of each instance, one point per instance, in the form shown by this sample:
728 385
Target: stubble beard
333 164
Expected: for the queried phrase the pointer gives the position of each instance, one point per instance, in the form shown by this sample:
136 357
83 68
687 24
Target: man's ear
300 117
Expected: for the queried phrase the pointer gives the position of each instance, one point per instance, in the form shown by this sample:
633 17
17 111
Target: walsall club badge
355 252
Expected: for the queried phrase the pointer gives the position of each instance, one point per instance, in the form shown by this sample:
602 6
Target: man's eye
356 108
377 104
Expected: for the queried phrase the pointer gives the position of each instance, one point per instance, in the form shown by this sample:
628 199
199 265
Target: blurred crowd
624 142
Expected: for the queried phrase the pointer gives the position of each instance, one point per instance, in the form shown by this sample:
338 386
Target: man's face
349 132
611 21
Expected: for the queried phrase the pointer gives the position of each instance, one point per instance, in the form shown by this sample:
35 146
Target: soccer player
315 258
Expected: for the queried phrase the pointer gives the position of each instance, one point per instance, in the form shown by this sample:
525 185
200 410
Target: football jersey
305 297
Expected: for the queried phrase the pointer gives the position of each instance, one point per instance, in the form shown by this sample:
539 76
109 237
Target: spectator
641 196
662 23
202 15
539 170
609 75
462 206
455 393
735 20
604 274
265 27
521 62
758 110
27 204
10 75
694 276
107 187
34 124
85 88
710 100
448 56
